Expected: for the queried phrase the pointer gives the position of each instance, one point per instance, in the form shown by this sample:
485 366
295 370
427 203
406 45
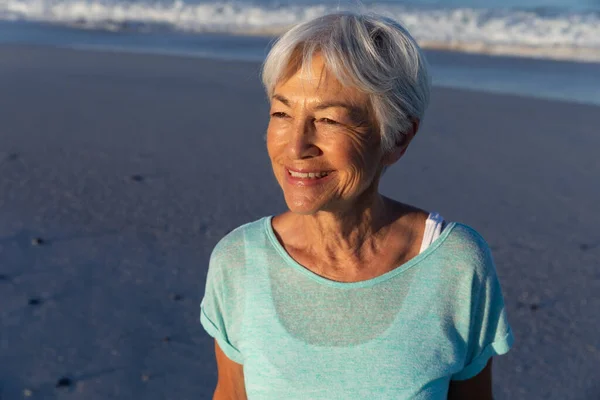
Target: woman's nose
302 143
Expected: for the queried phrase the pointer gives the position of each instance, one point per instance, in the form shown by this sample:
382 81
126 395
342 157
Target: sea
540 48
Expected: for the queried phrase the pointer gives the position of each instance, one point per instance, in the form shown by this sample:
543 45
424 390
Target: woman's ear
402 144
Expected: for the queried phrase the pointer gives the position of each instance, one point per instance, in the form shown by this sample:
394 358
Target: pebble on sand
63 382
176 297
34 301
37 241
532 306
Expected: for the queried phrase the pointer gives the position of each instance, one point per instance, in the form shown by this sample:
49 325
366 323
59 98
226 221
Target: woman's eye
279 114
328 121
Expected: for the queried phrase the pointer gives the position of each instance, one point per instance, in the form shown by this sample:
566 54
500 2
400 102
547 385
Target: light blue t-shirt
402 335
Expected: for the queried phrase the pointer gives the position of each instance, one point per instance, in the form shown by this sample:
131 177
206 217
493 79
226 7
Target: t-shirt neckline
268 227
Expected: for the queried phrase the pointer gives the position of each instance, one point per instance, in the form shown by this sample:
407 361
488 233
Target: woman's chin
304 206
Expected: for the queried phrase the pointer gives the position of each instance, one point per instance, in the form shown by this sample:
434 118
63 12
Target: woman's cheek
276 134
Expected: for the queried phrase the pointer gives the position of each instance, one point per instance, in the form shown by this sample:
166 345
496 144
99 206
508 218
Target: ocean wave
570 35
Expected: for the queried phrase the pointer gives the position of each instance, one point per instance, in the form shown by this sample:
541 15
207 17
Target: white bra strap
433 230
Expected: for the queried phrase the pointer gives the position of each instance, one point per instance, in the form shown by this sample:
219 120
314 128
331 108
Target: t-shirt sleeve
217 308
490 333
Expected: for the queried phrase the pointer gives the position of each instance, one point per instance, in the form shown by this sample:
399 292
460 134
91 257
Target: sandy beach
120 172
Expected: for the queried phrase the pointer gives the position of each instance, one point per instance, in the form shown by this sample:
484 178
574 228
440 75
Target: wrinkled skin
318 124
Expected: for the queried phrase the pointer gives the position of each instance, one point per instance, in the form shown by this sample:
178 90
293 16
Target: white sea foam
568 35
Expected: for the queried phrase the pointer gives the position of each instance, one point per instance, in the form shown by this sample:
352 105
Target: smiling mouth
307 175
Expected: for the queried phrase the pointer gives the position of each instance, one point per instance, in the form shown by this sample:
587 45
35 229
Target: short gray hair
373 53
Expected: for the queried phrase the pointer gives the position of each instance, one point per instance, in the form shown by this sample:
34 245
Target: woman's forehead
316 82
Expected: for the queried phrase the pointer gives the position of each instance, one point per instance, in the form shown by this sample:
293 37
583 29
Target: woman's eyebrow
330 104
281 99
322 106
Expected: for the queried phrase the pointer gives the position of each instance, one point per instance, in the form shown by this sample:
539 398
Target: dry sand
129 168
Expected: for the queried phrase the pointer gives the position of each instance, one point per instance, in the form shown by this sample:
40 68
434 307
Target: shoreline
33 32
540 78
557 53
562 80
561 31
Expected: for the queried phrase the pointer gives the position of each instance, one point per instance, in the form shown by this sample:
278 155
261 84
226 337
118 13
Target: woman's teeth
308 175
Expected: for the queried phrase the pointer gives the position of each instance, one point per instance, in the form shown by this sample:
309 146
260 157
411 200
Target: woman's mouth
308 175
307 178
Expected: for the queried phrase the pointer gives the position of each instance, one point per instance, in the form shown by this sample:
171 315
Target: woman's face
323 144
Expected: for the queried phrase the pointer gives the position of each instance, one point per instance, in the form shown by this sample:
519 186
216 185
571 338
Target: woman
349 294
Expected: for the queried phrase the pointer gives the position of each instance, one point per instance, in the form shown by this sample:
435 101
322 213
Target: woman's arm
478 387
230 384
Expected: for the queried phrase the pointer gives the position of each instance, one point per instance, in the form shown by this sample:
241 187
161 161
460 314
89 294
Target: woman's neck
345 238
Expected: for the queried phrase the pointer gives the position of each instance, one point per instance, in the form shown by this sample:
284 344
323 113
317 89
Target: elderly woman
350 294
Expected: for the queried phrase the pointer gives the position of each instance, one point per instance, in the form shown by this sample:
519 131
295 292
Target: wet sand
120 172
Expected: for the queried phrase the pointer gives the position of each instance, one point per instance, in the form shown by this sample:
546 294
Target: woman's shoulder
234 243
465 235
466 246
